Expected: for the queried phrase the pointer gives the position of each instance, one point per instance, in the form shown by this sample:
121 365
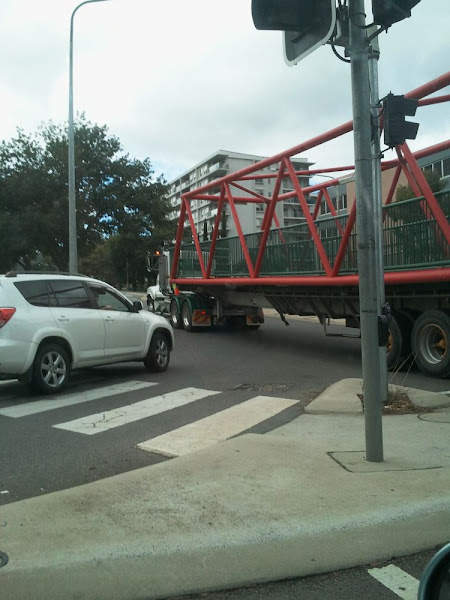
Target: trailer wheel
175 318
431 343
399 343
186 317
394 345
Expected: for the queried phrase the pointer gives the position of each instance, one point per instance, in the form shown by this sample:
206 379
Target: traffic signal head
307 23
386 12
396 128
281 15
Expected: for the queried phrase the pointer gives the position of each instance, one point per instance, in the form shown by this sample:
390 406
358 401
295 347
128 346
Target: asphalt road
295 362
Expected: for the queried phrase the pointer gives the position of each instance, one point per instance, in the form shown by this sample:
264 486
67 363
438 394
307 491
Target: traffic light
386 12
307 24
396 128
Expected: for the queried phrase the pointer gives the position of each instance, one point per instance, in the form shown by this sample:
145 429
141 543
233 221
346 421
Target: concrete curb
195 565
256 508
342 397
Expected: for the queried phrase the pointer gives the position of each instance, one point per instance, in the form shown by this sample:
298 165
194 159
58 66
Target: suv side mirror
137 305
435 581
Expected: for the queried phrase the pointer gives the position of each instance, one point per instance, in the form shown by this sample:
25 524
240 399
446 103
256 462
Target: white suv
51 324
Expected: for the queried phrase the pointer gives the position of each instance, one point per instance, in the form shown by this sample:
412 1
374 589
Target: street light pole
73 255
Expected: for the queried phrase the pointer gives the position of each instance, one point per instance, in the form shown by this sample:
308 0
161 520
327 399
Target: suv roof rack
56 273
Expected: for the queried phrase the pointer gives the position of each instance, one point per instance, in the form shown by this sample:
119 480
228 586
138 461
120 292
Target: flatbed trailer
311 268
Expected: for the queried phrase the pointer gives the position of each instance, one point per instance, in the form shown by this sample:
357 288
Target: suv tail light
5 315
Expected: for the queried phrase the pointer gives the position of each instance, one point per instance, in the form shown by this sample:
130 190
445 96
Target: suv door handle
108 318
63 318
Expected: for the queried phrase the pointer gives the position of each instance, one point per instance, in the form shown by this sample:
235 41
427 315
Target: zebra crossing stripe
404 585
104 421
217 427
62 400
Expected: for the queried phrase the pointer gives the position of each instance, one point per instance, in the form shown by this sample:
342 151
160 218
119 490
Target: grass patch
398 402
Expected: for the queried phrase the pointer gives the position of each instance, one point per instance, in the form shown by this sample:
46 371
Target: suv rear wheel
51 369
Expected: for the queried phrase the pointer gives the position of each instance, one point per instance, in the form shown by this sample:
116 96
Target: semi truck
310 268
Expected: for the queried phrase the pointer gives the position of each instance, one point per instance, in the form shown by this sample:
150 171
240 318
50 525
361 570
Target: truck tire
175 317
399 344
431 343
395 344
186 317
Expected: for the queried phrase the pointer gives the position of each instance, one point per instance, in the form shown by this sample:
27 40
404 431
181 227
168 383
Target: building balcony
218 169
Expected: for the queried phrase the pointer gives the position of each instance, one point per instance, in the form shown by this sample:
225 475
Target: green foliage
117 198
405 192
415 239
100 264
413 212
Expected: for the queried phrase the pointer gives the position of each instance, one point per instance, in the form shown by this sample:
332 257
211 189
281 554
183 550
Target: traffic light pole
374 55
366 233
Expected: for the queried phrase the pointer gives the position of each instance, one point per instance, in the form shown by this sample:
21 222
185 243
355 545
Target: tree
415 237
405 192
116 195
100 264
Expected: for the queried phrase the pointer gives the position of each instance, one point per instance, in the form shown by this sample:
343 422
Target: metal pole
367 264
73 254
374 55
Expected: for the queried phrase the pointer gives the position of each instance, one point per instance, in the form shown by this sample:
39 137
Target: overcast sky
177 80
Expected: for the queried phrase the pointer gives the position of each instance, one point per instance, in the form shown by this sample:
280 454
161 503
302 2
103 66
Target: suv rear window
35 292
70 293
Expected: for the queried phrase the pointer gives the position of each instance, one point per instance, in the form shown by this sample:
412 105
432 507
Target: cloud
177 80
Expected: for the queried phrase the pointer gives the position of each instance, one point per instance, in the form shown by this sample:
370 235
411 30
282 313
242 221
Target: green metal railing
412 240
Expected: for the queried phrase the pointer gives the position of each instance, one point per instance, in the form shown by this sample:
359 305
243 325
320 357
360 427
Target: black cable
333 47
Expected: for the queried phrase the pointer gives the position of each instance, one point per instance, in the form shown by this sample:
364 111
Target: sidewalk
296 501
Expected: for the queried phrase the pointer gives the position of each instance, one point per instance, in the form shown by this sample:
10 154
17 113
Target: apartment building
343 195
222 163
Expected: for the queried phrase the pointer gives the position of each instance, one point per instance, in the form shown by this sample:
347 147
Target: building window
446 167
437 168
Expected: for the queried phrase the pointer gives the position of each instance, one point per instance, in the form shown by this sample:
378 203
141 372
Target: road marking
104 421
217 427
403 584
62 400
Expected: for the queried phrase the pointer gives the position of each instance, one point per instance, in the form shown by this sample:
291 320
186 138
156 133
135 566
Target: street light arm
73 255
71 32
79 6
